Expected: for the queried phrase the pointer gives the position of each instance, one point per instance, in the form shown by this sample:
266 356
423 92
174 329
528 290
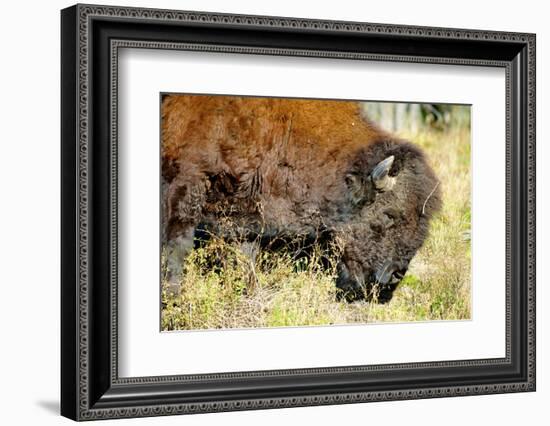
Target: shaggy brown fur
290 167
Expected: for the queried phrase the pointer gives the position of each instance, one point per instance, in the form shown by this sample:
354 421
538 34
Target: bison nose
385 295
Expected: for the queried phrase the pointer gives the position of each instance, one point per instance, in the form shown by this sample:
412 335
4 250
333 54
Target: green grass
223 288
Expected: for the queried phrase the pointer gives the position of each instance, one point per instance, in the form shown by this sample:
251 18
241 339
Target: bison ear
380 174
353 180
357 188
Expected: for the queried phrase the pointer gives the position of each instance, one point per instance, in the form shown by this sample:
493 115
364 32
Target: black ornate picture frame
90 385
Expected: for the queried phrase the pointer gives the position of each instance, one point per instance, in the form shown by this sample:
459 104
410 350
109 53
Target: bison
285 168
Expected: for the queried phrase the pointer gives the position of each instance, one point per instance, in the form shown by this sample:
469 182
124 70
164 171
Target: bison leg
251 251
183 209
176 249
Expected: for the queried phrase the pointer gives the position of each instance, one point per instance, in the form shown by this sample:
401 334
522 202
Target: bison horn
380 175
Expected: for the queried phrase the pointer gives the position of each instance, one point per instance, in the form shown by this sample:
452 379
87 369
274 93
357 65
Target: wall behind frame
29 213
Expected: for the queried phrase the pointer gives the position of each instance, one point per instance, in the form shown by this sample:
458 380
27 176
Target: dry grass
223 288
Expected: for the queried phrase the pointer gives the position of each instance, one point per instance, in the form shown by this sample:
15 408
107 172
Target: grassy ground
276 291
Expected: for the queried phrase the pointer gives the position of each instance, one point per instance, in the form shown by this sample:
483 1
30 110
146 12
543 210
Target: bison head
392 193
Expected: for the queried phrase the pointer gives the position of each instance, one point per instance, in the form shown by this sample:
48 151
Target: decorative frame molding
91 37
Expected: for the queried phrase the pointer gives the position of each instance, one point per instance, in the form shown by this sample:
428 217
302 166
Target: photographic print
301 212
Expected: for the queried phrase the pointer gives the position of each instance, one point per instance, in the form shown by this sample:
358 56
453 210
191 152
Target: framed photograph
263 212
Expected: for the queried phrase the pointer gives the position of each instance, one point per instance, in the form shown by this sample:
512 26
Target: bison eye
353 180
357 189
